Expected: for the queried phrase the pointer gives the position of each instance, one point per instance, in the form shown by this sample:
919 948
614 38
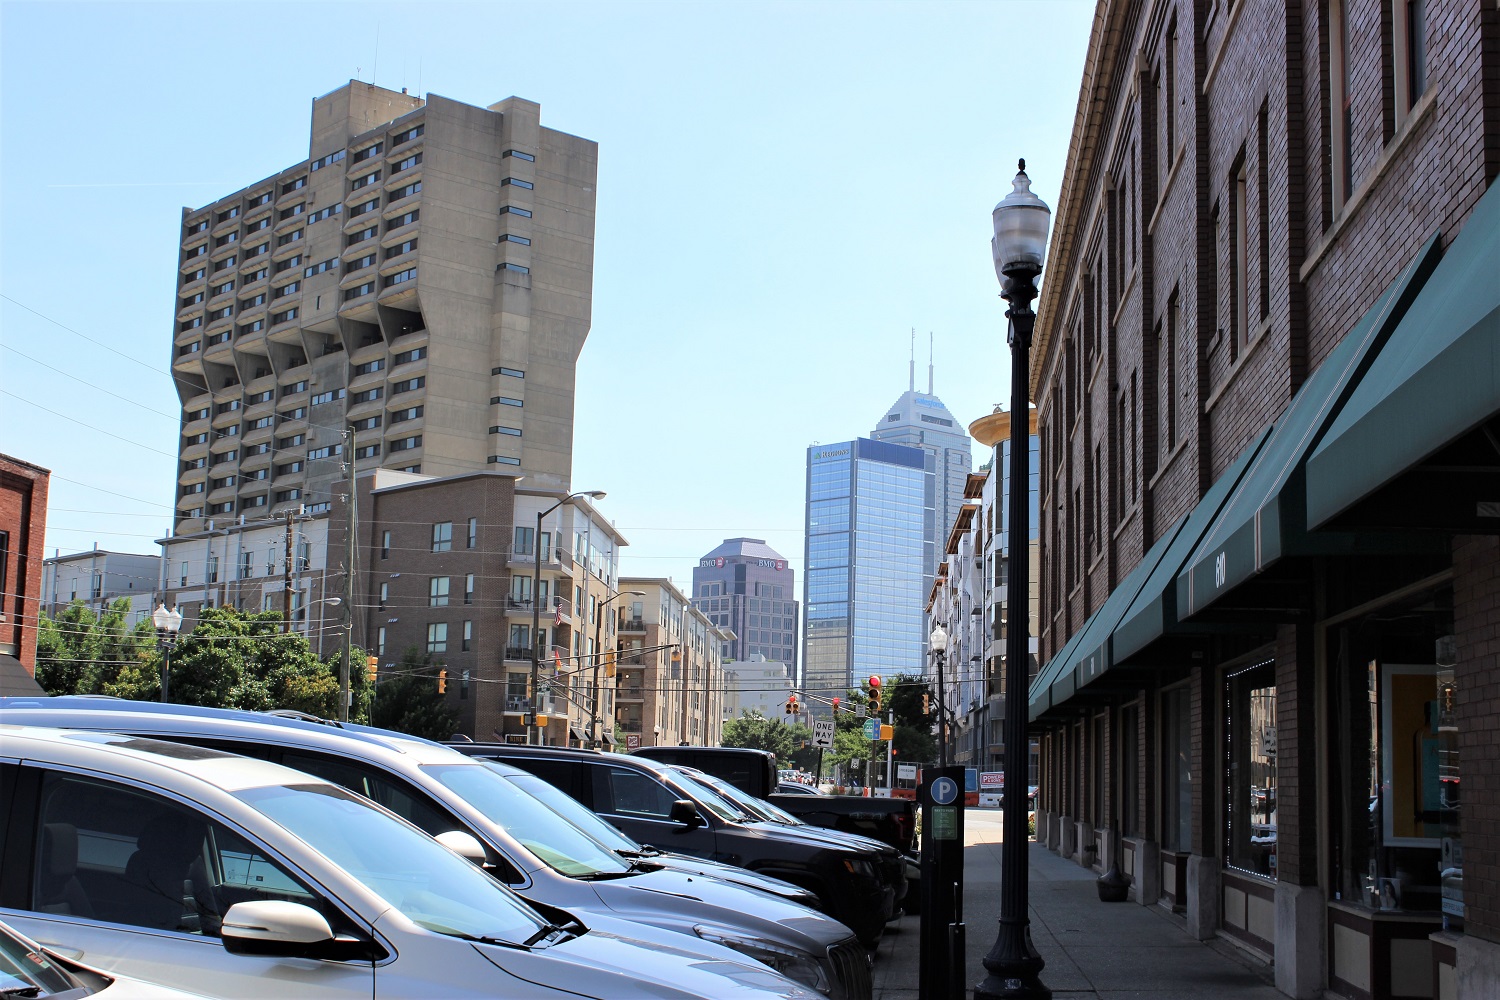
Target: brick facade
23 525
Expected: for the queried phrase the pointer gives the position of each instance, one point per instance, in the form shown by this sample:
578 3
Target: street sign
633 741
823 733
872 729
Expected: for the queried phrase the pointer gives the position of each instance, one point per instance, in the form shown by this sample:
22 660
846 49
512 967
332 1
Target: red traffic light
874 680
835 704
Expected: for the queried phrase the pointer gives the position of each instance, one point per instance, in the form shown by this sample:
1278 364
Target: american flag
557 619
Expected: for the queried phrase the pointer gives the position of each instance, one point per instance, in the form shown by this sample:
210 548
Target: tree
757 732
81 652
407 700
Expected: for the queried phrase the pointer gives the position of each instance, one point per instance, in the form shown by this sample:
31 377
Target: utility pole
353 505
286 579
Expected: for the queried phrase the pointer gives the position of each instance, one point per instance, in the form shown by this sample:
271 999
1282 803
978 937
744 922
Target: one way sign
823 733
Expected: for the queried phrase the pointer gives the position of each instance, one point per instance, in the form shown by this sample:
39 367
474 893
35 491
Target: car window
109 852
387 789
561 846
628 792
708 798
572 810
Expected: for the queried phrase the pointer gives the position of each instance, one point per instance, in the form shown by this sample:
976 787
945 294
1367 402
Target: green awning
1039 698
1265 517
1153 608
1410 449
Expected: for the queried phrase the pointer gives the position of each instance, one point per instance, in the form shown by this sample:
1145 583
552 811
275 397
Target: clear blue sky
786 191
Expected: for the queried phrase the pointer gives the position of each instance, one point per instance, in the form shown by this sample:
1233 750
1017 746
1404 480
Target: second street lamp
1019 249
536 608
168 624
938 641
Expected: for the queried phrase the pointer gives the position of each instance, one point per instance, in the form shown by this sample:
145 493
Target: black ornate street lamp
938 643
536 607
1019 248
168 624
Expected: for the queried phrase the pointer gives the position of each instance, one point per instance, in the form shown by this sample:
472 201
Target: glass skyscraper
868 505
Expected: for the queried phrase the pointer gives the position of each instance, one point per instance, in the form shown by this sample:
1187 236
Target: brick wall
23 517
1476 620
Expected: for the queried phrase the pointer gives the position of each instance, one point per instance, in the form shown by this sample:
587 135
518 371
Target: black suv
656 805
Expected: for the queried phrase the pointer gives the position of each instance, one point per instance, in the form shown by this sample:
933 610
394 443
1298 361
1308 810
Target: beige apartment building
670 686
416 291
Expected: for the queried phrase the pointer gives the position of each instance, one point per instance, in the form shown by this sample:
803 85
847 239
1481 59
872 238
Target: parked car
192 866
899 870
520 840
29 970
653 805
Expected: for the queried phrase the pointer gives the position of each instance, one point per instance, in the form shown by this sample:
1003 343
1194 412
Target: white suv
199 869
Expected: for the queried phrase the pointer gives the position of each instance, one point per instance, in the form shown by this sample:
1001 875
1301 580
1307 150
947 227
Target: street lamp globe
166 621
1021 220
938 640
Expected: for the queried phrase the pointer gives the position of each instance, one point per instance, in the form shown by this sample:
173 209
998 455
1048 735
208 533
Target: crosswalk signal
442 682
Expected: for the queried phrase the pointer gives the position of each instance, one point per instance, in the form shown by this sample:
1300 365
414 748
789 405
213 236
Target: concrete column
1087 853
1300 937
1068 838
1145 885
1202 897
1478 967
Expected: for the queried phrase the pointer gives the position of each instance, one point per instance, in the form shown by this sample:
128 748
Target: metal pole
1013 964
286 579
942 713
594 706
348 585
536 624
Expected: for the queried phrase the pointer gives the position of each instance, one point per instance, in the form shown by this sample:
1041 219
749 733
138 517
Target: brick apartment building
1265 368
23 526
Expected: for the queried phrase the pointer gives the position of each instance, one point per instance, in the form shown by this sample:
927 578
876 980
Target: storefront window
1396 841
1129 784
1177 771
1250 762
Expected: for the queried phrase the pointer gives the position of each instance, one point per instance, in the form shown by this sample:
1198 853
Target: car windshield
708 798
570 809
25 970
560 845
756 807
430 884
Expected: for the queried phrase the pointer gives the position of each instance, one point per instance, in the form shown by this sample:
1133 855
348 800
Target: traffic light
610 661
926 703
791 704
835 706
442 682
874 703
372 667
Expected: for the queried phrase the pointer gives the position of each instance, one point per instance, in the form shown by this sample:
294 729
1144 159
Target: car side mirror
465 844
284 929
683 811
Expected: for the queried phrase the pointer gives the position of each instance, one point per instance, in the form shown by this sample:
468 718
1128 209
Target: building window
408 135
364 207
368 395
442 536
410 274
365 181
525 213
437 592
406 443
502 460
518 268
385 545
468 638
359 290
469 589
288 264
328 161
406 191
1409 22
516 181
508 431
400 249
505 401
1177 771
298 184
512 238
473 532
523 540
410 413
1239 278
407 164
285 290
437 637
404 220
518 155
408 385
380 641
1340 104
327 396
1250 778
405 357
327 451
366 153
324 213
512 372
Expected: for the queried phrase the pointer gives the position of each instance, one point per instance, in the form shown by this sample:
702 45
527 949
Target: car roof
169 720
144 758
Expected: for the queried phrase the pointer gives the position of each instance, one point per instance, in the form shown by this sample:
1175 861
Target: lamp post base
1013 967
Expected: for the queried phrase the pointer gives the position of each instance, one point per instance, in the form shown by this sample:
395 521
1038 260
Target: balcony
520 653
633 625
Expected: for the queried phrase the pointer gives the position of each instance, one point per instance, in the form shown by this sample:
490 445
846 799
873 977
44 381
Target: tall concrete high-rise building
424 277
746 586
920 420
868 506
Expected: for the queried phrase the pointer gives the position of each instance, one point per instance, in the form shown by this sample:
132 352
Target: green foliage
757 732
230 659
81 652
407 699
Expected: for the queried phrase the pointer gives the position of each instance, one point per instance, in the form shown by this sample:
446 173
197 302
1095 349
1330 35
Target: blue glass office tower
867 506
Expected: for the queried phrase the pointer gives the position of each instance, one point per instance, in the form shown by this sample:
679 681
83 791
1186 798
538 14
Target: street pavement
1112 951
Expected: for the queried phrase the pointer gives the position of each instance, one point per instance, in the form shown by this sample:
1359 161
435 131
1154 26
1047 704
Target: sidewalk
1092 949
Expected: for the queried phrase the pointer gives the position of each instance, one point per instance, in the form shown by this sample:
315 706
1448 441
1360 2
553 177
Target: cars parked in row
511 831
195 867
658 806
